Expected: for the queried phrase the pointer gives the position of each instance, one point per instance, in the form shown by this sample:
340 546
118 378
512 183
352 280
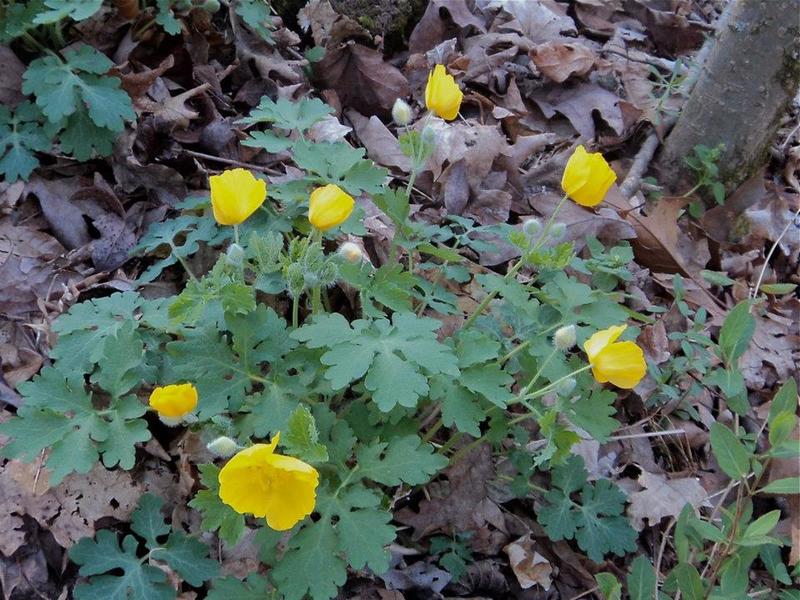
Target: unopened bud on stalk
566 387
532 227
429 135
557 231
351 252
222 447
565 337
235 255
401 112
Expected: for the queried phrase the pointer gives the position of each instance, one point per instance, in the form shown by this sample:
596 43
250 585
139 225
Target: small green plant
454 553
703 163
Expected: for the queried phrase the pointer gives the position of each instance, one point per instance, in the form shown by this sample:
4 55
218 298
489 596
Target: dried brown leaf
530 567
10 78
361 78
663 497
559 61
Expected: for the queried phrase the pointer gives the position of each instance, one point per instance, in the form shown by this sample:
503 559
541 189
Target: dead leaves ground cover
538 76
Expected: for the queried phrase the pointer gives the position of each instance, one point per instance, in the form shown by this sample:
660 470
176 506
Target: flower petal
595 344
621 364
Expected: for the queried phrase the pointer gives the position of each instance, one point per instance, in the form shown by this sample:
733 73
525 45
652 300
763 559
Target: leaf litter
536 77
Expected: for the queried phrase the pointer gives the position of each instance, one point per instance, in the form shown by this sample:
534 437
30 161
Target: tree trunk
746 85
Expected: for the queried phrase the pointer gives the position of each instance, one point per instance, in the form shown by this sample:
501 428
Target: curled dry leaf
663 497
538 20
579 103
435 26
559 61
381 144
530 567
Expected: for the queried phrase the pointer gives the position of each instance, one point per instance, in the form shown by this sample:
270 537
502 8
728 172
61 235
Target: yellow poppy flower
587 177
329 206
282 489
620 363
174 401
235 195
442 94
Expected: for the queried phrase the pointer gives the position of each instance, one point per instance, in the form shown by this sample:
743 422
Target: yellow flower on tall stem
235 195
442 94
329 206
619 363
257 481
173 402
587 177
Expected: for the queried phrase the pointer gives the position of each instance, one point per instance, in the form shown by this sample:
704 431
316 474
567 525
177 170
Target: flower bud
429 135
566 387
565 337
351 252
222 447
532 227
557 231
401 112
235 255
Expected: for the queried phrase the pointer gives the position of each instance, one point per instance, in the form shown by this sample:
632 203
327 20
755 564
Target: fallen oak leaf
530 567
558 61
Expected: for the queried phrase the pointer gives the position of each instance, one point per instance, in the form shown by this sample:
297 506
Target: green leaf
642 581
285 114
781 428
188 557
787 485
123 351
20 136
61 87
216 514
785 400
490 381
84 139
731 383
166 17
138 581
596 522
609 587
736 333
756 532
771 557
460 407
119 448
689 582
594 414
732 456
311 565
340 164
403 460
147 520
256 587
77 10
395 357
301 438
778 288
258 16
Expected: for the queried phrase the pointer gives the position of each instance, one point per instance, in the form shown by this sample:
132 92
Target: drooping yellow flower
174 401
620 363
329 206
235 195
587 177
442 94
280 488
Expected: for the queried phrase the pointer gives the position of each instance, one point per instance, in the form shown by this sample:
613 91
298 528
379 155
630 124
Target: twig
230 161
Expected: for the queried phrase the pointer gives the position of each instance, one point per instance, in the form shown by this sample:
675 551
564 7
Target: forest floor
539 77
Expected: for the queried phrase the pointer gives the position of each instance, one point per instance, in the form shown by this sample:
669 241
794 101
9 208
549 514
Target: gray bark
746 85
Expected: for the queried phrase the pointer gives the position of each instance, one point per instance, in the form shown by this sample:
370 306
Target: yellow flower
235 195
329 206
442 94
174 401
259 482
621 363
587 177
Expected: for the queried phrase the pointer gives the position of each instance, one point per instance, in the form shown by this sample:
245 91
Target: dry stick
230 161
648 149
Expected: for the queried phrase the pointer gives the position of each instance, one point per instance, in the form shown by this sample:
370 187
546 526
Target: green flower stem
295 311
236 234
518 265
184 264
541 392
316 292
538 373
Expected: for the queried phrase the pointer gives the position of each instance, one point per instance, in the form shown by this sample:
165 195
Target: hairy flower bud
532 227
565 337
429 135
351 252
566 387
222 447
235 255
557 231
401 112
